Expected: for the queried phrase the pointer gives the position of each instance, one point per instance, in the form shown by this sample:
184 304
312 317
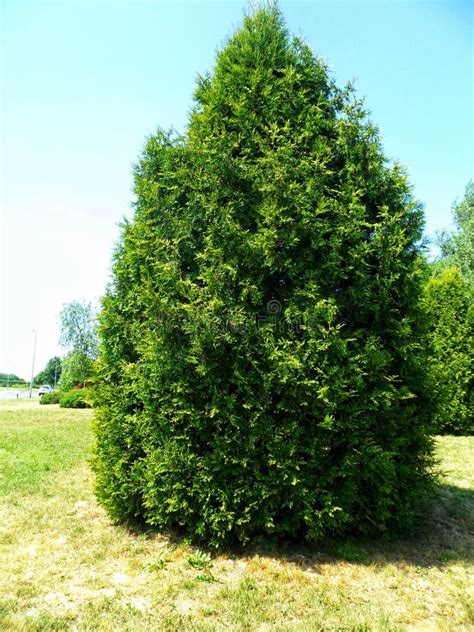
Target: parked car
45 388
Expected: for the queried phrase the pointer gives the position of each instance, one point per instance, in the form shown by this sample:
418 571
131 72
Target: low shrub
76 398
451 312
51 398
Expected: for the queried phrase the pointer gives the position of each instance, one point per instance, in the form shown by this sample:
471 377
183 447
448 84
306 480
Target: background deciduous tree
78 334
51 373
457 247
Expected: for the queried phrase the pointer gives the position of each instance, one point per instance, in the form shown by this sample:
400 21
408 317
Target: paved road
11 394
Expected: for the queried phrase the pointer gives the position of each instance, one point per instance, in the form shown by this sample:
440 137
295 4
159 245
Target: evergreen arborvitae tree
262 367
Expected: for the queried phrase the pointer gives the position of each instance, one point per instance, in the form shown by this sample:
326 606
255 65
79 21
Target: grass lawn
64 566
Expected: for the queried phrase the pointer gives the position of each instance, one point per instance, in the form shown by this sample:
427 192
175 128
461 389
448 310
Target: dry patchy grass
66 567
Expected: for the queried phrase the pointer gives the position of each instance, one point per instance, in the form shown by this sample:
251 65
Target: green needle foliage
451 312
261 369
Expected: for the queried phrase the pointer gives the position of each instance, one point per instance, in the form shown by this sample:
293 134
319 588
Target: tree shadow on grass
444 535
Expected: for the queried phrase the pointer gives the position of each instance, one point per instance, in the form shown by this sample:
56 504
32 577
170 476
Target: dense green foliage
449 298
261 367
50 374
76 398
451 313
457 248
78 328
77 368
51 398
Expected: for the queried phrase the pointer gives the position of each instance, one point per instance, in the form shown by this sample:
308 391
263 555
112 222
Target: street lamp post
33 363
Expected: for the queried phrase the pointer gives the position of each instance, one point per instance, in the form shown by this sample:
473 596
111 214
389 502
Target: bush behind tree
51 398
262 367
448 299
76 398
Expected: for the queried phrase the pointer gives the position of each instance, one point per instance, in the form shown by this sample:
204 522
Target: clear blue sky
84 82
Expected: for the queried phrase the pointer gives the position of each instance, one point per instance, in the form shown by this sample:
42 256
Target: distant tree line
79 336
10 379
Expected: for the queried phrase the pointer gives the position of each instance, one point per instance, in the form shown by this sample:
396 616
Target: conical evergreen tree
261 368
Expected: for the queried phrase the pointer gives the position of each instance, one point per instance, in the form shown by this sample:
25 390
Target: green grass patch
65 566
34 445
